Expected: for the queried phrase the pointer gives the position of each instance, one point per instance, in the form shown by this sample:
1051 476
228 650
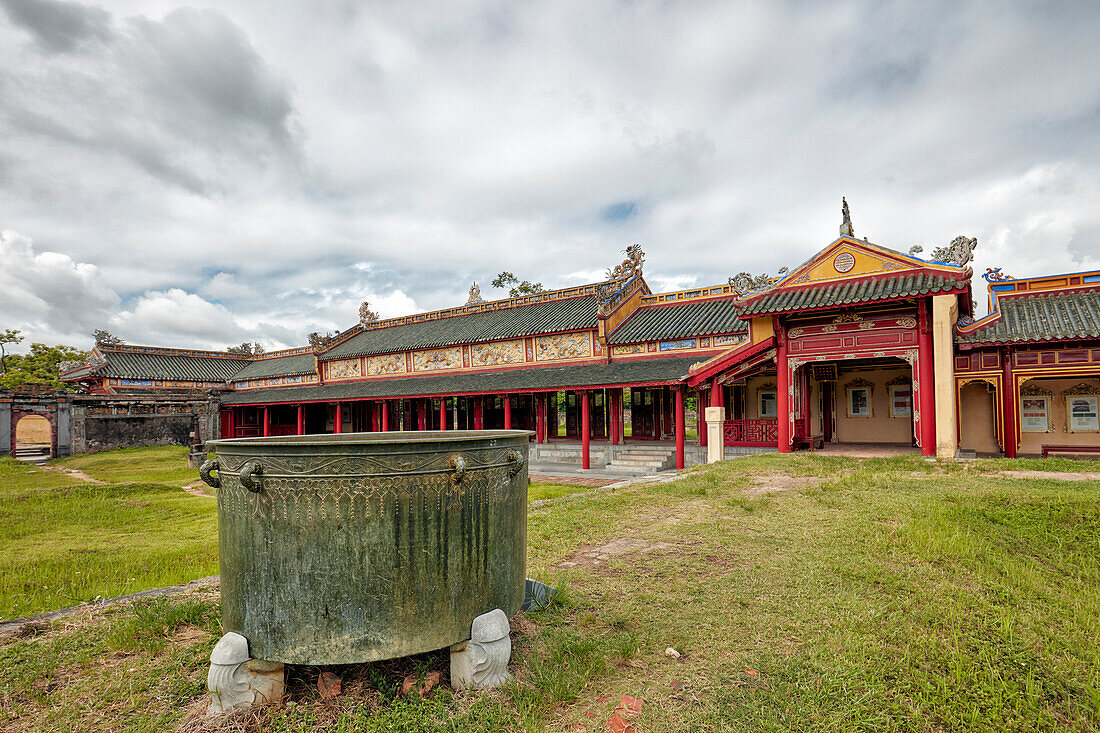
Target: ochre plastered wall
753 387
945 311
976 412
33 430
880 427
1032 443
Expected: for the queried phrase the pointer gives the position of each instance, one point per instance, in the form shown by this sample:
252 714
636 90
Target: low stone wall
108 422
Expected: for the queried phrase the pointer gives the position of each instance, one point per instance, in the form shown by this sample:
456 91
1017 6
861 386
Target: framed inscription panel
1033 414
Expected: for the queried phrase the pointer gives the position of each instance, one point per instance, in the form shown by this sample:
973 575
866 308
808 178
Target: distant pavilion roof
678 320
140 362
279 365
636 372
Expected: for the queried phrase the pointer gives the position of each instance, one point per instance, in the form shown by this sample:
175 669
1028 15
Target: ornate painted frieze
385 364
563 346
497 352
275 381
435 359
678 345
730 340
343 369
627 349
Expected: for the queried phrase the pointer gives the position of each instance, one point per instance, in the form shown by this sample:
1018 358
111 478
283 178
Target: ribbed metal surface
281 366
528 320
850 292
1054 317
638 371
127 365
680 320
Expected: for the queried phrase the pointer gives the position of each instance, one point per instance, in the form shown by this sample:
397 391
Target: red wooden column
338 419
717 394
783 392
423 407
679 427
385 416
301 421
1010 418
700 418
442 413
507 412
616 396
267 421
375 417
586 439
925 378
540 418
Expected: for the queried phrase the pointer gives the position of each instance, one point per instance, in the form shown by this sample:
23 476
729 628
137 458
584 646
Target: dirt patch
776 483
198 488
1053 475
74 473
590 556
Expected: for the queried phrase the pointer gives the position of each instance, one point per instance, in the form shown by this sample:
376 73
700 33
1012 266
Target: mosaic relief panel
385 364
434 359
563 346
500 352
344 369
628 349
677 345
728 340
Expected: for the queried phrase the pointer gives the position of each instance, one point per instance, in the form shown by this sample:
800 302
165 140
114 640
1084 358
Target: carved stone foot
482 662
236 680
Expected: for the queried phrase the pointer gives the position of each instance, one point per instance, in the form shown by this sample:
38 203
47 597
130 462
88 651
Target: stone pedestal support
235 680
482 661
715 441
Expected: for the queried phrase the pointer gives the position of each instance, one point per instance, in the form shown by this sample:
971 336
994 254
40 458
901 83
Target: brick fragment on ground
617 725
328 684
631 706
412 684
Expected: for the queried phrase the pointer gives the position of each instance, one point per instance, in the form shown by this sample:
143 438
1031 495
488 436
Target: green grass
64 541
537 492
885 594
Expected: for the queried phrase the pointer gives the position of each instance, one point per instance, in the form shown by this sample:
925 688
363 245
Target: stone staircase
643 460
32 453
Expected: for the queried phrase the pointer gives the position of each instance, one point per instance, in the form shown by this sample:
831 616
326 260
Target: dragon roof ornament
960 252
366 315
994 275
744 283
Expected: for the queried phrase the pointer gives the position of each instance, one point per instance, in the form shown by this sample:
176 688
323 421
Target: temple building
860 344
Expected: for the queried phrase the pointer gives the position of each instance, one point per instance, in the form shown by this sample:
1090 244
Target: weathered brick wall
107 422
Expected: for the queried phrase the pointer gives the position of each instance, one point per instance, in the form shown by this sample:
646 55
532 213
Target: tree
7 336
40 366
518 288
247 349
105 338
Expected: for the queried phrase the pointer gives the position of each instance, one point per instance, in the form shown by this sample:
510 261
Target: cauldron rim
367 438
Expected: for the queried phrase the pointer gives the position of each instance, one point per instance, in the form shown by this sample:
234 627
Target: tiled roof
279 366
639 371
1059 316
681 320
572 314
138 365
850 292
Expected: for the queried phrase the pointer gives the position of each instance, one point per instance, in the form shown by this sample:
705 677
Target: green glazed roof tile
136 365
1042 317
849 292
680 320
279 366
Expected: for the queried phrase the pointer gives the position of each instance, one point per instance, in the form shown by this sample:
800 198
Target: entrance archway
33 438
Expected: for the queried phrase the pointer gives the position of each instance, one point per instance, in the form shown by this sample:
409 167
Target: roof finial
846 223
475 295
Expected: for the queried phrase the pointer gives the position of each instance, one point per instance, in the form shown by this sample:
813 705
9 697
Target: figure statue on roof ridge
475 295
629 267
915 250
366 315
846 221
959 252
744 282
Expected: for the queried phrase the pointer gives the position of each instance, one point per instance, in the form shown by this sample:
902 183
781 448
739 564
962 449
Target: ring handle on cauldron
204 473
250 476
516 460
458 463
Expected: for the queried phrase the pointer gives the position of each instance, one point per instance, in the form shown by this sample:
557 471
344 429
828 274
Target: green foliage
40 366
7 336
247 348
505 279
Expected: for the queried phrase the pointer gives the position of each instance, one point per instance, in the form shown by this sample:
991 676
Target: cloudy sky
189 175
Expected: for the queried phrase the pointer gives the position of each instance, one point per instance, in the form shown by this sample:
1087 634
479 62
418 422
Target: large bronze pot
338 549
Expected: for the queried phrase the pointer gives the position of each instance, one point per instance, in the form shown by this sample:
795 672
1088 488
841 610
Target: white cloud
285 166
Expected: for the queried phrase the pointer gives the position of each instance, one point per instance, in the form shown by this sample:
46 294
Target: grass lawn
64 541
801 593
